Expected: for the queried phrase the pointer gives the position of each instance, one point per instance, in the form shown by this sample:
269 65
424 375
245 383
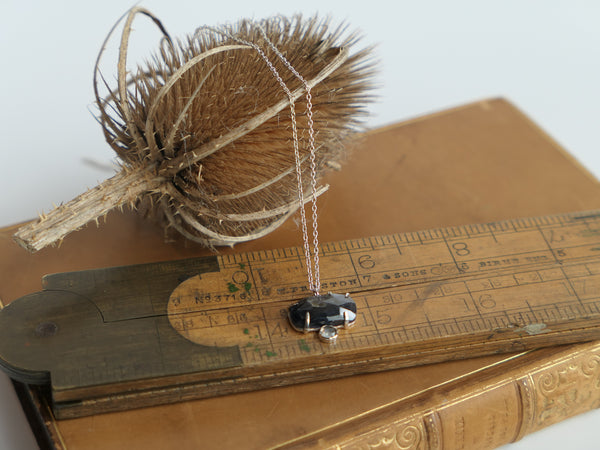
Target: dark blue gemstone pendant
323 313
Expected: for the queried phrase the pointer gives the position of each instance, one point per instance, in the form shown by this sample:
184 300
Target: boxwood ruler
123 337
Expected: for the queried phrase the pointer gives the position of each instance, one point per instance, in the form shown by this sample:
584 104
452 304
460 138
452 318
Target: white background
542 55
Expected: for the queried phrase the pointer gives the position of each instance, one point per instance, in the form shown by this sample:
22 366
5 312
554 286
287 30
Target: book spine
483 410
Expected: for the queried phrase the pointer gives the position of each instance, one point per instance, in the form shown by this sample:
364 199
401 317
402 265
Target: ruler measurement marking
399 335
587 225
418 238
400 239
502 321
416 334
531 310
491 229
573 313
589 271
526 223
426 330
588 307
475 303
356 274
502 228
371 245
551 312
385 338
398 247
254 285
262 255
554 254
489 322
558 311
370 310
570 284
545 221
456 323
352 341
429 325
474 325
565 310
458 269
471 231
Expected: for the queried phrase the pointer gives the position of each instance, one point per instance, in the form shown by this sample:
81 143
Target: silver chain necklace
322 313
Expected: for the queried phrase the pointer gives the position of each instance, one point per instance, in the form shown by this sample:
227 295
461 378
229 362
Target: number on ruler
461 249
366 262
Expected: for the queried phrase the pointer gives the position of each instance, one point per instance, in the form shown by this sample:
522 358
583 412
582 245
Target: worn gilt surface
567 388
409 434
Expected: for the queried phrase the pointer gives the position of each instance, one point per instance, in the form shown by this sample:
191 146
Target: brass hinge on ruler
124 337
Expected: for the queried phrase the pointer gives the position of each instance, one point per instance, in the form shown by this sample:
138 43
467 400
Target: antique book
477 163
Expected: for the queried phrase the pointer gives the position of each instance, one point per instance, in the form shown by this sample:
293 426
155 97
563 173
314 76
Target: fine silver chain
315 285
314 278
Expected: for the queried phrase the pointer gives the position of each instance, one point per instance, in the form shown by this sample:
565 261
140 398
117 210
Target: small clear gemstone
328 333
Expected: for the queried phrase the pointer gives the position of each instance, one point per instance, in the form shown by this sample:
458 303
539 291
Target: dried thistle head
203 130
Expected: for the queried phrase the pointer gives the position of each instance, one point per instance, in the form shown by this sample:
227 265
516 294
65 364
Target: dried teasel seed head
203 131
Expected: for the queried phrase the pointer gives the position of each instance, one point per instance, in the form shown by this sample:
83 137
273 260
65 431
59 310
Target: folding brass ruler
124 337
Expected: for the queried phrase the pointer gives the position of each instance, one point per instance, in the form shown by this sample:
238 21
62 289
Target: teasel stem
126 188
122 189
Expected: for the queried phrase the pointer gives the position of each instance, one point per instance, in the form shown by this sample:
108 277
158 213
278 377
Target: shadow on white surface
15 433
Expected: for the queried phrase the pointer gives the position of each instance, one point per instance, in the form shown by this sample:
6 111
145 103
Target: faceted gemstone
332 309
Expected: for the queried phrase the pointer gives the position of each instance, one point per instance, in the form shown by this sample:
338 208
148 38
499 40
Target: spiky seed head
204 91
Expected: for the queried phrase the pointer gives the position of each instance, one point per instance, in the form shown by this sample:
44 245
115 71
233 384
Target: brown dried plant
203 130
